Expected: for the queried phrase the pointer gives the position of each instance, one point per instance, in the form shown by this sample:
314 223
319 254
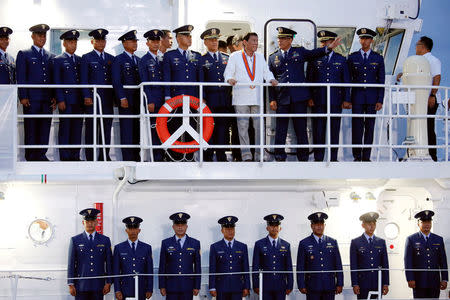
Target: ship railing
391 111
15 276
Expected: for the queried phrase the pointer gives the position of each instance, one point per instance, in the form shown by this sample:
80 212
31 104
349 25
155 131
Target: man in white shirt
423 47
247 66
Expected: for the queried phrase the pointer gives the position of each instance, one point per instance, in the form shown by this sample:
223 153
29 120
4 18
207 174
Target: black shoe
357 159
280 159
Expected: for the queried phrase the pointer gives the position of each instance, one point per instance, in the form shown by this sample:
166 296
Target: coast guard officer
180 254
319 252
150 69
365 66
33 67
287 65
331 68
125 72
227 256
368 252
7 64
66 70
89 255
133 257
96 69
426 250
218 98
181 64
273 254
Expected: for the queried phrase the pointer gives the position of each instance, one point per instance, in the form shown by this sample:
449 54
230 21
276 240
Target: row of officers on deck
38 66
319 268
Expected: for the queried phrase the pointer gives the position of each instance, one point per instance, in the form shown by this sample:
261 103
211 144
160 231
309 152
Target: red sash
251 74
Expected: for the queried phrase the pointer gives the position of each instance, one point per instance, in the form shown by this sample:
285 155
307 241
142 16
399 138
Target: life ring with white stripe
170 105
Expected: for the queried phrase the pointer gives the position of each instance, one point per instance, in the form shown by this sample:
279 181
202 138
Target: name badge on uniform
81 245
220 252
100 245
238 251
123 253
374 63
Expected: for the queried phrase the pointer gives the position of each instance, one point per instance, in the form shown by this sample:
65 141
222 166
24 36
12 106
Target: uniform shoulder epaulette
223 53
196 52
273 52
171 51
353 53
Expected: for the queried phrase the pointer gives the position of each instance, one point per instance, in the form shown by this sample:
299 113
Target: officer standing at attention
66 70
365 66
218 98
227 256
426 250
331 68
368 252
287 65
96 69
319 252
150 70
181 64
133 257
125 72
89 255
180 254
273 254
7 65
33 67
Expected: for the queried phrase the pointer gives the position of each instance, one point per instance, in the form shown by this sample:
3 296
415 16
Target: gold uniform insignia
190 28
89 211
132 220
180 215
74 32
4 29
319 214
229 219
363 30
43 26
322 33
155 32
100 31
213 31
274 216
280 30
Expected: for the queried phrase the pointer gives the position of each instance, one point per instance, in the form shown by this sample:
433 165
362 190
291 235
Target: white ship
40 201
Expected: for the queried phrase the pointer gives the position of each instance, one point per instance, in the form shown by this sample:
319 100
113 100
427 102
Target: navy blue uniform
176 260
34 68
89 259
150 70
218 100
328 70
66 70
313 256
422 254
222 259
127 261
364 99
365 255
290 69
7 69
268 258
125 72
95 70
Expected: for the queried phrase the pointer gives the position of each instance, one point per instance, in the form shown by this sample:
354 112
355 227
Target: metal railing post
141 122
94 127
102 127
261 126
14 283
328 125
200 107
261 288
136 287
380 284
446 122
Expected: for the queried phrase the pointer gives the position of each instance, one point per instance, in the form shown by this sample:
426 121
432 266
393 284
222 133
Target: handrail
146 144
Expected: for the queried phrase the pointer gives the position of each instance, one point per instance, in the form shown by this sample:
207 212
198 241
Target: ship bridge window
83 45
346 33
389 44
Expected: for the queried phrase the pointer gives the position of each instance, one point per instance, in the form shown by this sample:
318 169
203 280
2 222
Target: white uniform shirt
235 69
435 68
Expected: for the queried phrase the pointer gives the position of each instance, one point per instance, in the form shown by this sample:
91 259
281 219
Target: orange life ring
168 107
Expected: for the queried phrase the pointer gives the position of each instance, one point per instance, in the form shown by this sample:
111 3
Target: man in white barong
248 66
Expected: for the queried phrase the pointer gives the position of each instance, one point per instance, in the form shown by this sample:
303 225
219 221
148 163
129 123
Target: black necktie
215 56
41 52
320 241
229 245
179 243
90 239
134 59
370 241
365 57
102 57
274 244
184 54
133 245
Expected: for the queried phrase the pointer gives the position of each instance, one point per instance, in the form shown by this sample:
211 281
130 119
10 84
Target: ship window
389 46
346 33
83 45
